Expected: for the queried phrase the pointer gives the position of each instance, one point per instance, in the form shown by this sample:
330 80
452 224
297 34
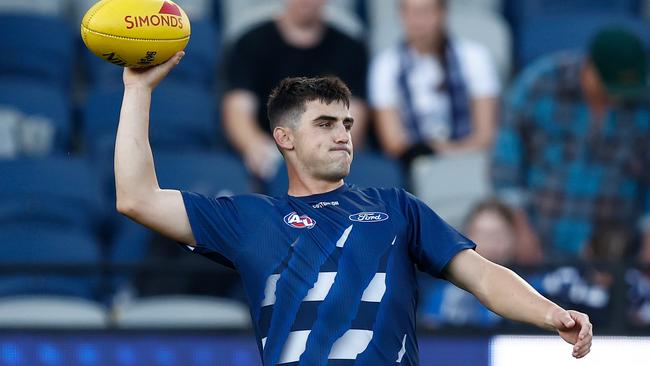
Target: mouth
343 149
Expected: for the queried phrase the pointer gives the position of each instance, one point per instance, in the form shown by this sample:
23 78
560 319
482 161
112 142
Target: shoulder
391 197
386 60
342 39
468 48
253 36
473 55
554 74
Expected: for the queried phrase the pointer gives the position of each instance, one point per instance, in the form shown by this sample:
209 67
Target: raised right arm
138 195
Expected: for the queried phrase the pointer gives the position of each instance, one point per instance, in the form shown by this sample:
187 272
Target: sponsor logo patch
168 16
369 217
325 204
299 222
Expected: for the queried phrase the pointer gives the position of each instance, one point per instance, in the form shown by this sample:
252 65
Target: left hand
574 327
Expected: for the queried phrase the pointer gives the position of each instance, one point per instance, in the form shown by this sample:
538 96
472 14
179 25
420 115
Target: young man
329 269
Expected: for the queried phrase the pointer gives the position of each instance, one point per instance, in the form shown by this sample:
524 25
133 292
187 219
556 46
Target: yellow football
135 33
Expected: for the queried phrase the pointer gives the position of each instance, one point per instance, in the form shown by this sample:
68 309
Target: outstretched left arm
508 295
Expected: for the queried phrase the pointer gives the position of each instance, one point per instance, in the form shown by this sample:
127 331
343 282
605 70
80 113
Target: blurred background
523 123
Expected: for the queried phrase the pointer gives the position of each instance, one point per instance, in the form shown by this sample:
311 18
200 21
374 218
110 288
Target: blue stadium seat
368 170
183 117
198 67
209 173
25 244
544 35
523 11
37 47
37 99
57 190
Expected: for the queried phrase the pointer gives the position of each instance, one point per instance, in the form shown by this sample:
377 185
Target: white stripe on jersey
347 347
373 293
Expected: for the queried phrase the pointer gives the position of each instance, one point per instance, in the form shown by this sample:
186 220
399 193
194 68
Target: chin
335 175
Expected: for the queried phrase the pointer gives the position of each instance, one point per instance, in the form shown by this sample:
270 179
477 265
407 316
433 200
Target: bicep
164 212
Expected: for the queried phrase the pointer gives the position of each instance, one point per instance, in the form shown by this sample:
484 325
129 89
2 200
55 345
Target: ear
283 136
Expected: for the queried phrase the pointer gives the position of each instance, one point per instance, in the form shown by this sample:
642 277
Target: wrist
550 322
137 87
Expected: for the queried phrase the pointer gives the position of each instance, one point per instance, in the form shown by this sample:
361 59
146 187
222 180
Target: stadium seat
28 244
52 8
198 67
39 48
183 117
368 170
209 173
569 32
45 118
184 312
451 185
46 311
57 190
524 11
487 28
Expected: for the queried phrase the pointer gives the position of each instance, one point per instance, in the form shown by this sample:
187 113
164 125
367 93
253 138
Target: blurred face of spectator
493 235
591 83
423 21
305 11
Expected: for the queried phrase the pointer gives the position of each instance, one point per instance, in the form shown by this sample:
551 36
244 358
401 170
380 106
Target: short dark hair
288 99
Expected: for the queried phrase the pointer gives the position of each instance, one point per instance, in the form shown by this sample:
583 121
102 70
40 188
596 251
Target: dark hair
287 100
494 205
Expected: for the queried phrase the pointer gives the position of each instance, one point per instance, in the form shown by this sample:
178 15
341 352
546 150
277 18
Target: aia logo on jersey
369 217
299 222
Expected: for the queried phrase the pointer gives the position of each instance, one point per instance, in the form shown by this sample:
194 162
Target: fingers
566 320
174 60
585 336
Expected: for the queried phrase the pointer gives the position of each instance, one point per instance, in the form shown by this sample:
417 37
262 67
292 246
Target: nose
341 134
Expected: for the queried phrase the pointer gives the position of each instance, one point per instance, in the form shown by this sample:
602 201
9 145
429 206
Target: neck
427 47
304 185
300 34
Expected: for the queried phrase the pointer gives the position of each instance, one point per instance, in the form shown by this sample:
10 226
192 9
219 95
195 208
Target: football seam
135 39
91 16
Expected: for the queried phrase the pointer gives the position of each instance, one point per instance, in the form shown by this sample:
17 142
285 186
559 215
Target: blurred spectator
588 286
296 43
638 294
490 226
574 148
432 93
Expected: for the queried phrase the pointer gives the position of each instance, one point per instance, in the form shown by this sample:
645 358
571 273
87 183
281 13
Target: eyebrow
333 119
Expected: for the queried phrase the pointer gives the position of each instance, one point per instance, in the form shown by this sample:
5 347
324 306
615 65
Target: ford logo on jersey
299 222
369 217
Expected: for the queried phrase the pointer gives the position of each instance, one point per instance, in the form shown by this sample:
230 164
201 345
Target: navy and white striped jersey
330 277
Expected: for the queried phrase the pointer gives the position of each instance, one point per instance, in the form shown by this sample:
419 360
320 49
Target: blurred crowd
523 123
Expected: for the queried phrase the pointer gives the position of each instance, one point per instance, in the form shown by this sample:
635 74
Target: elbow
126 207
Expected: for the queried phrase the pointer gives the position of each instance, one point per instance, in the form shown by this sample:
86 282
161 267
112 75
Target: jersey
330 278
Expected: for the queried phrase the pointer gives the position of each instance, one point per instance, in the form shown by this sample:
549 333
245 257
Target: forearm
508 295
239 121
135 175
